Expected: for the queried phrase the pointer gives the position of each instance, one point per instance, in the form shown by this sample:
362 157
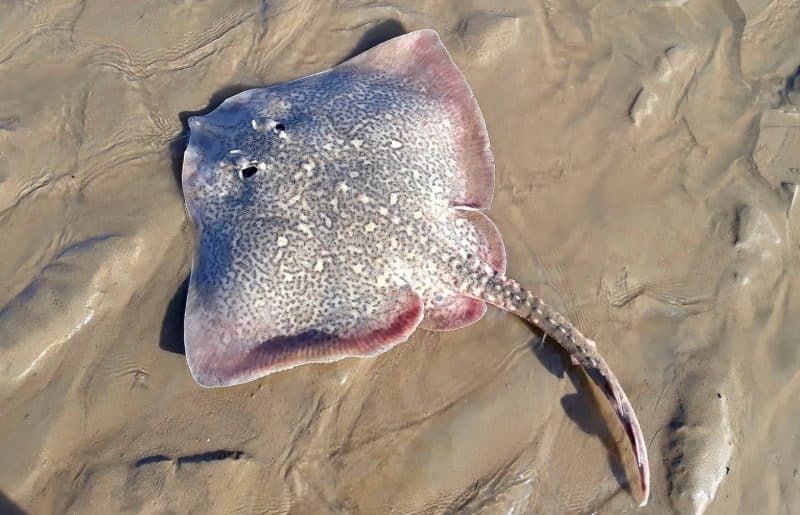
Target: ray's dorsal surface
338 212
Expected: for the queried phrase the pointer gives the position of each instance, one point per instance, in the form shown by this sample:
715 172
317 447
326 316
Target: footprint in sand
487 36
663 91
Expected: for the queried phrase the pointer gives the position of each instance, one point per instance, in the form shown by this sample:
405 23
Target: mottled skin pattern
334 211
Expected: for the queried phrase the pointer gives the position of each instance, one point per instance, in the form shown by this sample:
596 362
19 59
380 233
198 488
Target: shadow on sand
382 31
9 507
171 338
585 407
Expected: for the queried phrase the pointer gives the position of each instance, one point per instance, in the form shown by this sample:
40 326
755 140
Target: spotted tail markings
495 288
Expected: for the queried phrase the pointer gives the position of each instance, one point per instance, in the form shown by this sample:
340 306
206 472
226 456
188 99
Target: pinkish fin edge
421 58
216 365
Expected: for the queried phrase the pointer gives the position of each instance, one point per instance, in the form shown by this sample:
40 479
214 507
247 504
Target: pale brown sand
647 154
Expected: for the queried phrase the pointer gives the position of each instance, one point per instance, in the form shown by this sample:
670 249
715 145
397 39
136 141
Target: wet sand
647 160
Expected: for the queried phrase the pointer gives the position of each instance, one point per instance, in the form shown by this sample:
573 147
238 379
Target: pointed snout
197 123
202 152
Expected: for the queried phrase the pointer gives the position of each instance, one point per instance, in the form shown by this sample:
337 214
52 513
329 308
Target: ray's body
338 212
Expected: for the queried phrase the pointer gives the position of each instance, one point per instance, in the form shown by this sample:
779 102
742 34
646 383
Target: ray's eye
248 172
280 127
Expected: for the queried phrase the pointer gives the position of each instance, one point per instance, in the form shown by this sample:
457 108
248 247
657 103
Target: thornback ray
338 212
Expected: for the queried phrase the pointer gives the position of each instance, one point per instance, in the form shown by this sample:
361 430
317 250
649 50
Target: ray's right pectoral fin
224 349
422 60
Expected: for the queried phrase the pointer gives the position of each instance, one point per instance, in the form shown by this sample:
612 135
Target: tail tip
645 484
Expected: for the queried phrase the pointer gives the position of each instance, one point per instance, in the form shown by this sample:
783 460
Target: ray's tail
507 294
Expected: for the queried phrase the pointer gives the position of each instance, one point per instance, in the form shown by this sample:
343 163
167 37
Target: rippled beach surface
648 156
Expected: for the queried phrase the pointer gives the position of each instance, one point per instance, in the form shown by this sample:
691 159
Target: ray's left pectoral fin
484 240
455 312
223 349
